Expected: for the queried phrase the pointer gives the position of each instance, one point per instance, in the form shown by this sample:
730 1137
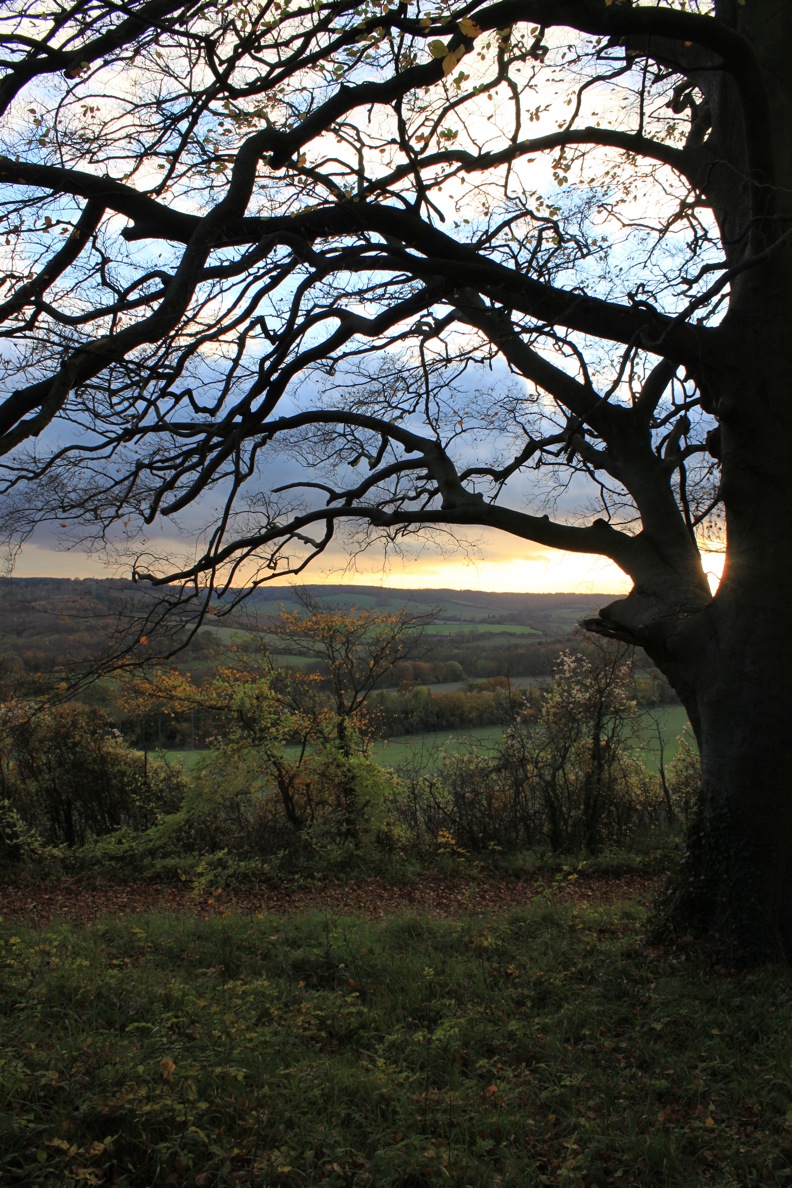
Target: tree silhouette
425 254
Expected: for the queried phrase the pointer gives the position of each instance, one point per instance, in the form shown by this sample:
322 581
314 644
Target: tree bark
732 665
736 879
735 884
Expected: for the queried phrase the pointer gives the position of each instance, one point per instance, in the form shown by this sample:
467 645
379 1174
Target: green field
289 660
672 721
228 635
393 752
480 629
411 748
186 758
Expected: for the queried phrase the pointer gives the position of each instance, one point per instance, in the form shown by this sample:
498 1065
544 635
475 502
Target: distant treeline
421 710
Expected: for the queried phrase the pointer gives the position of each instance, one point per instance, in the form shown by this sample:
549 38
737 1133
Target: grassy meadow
541 1046
483 629
427 747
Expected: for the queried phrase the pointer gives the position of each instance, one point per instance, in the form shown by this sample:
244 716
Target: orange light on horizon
537 571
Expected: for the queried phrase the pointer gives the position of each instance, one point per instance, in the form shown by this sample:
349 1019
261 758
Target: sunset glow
541 571
502 565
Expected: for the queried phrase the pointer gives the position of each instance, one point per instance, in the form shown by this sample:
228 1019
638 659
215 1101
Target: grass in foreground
541 1046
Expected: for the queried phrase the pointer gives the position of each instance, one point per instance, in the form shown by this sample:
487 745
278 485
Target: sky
497 562
493 562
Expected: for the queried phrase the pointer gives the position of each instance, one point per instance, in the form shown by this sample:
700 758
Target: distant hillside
55 623
457 606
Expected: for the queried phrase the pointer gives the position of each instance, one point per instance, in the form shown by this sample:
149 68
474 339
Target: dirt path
81 902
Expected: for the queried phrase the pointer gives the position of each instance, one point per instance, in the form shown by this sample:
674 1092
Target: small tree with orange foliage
303 735
356 650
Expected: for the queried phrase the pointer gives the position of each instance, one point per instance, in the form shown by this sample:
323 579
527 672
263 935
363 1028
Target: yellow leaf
450 60
469 28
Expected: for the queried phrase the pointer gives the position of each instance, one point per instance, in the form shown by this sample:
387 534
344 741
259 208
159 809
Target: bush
683 779
338 807
581 786
231 805
565 777
18 842
466 799
70 777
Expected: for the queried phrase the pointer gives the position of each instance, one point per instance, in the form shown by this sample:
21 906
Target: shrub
683 779
70 777
339 806
582 786
18 841
232 804
466 799
565 776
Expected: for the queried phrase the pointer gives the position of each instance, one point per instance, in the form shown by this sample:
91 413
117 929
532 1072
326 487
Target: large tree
464 246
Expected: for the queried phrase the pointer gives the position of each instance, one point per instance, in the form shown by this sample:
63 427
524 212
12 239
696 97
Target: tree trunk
730 658
735 885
